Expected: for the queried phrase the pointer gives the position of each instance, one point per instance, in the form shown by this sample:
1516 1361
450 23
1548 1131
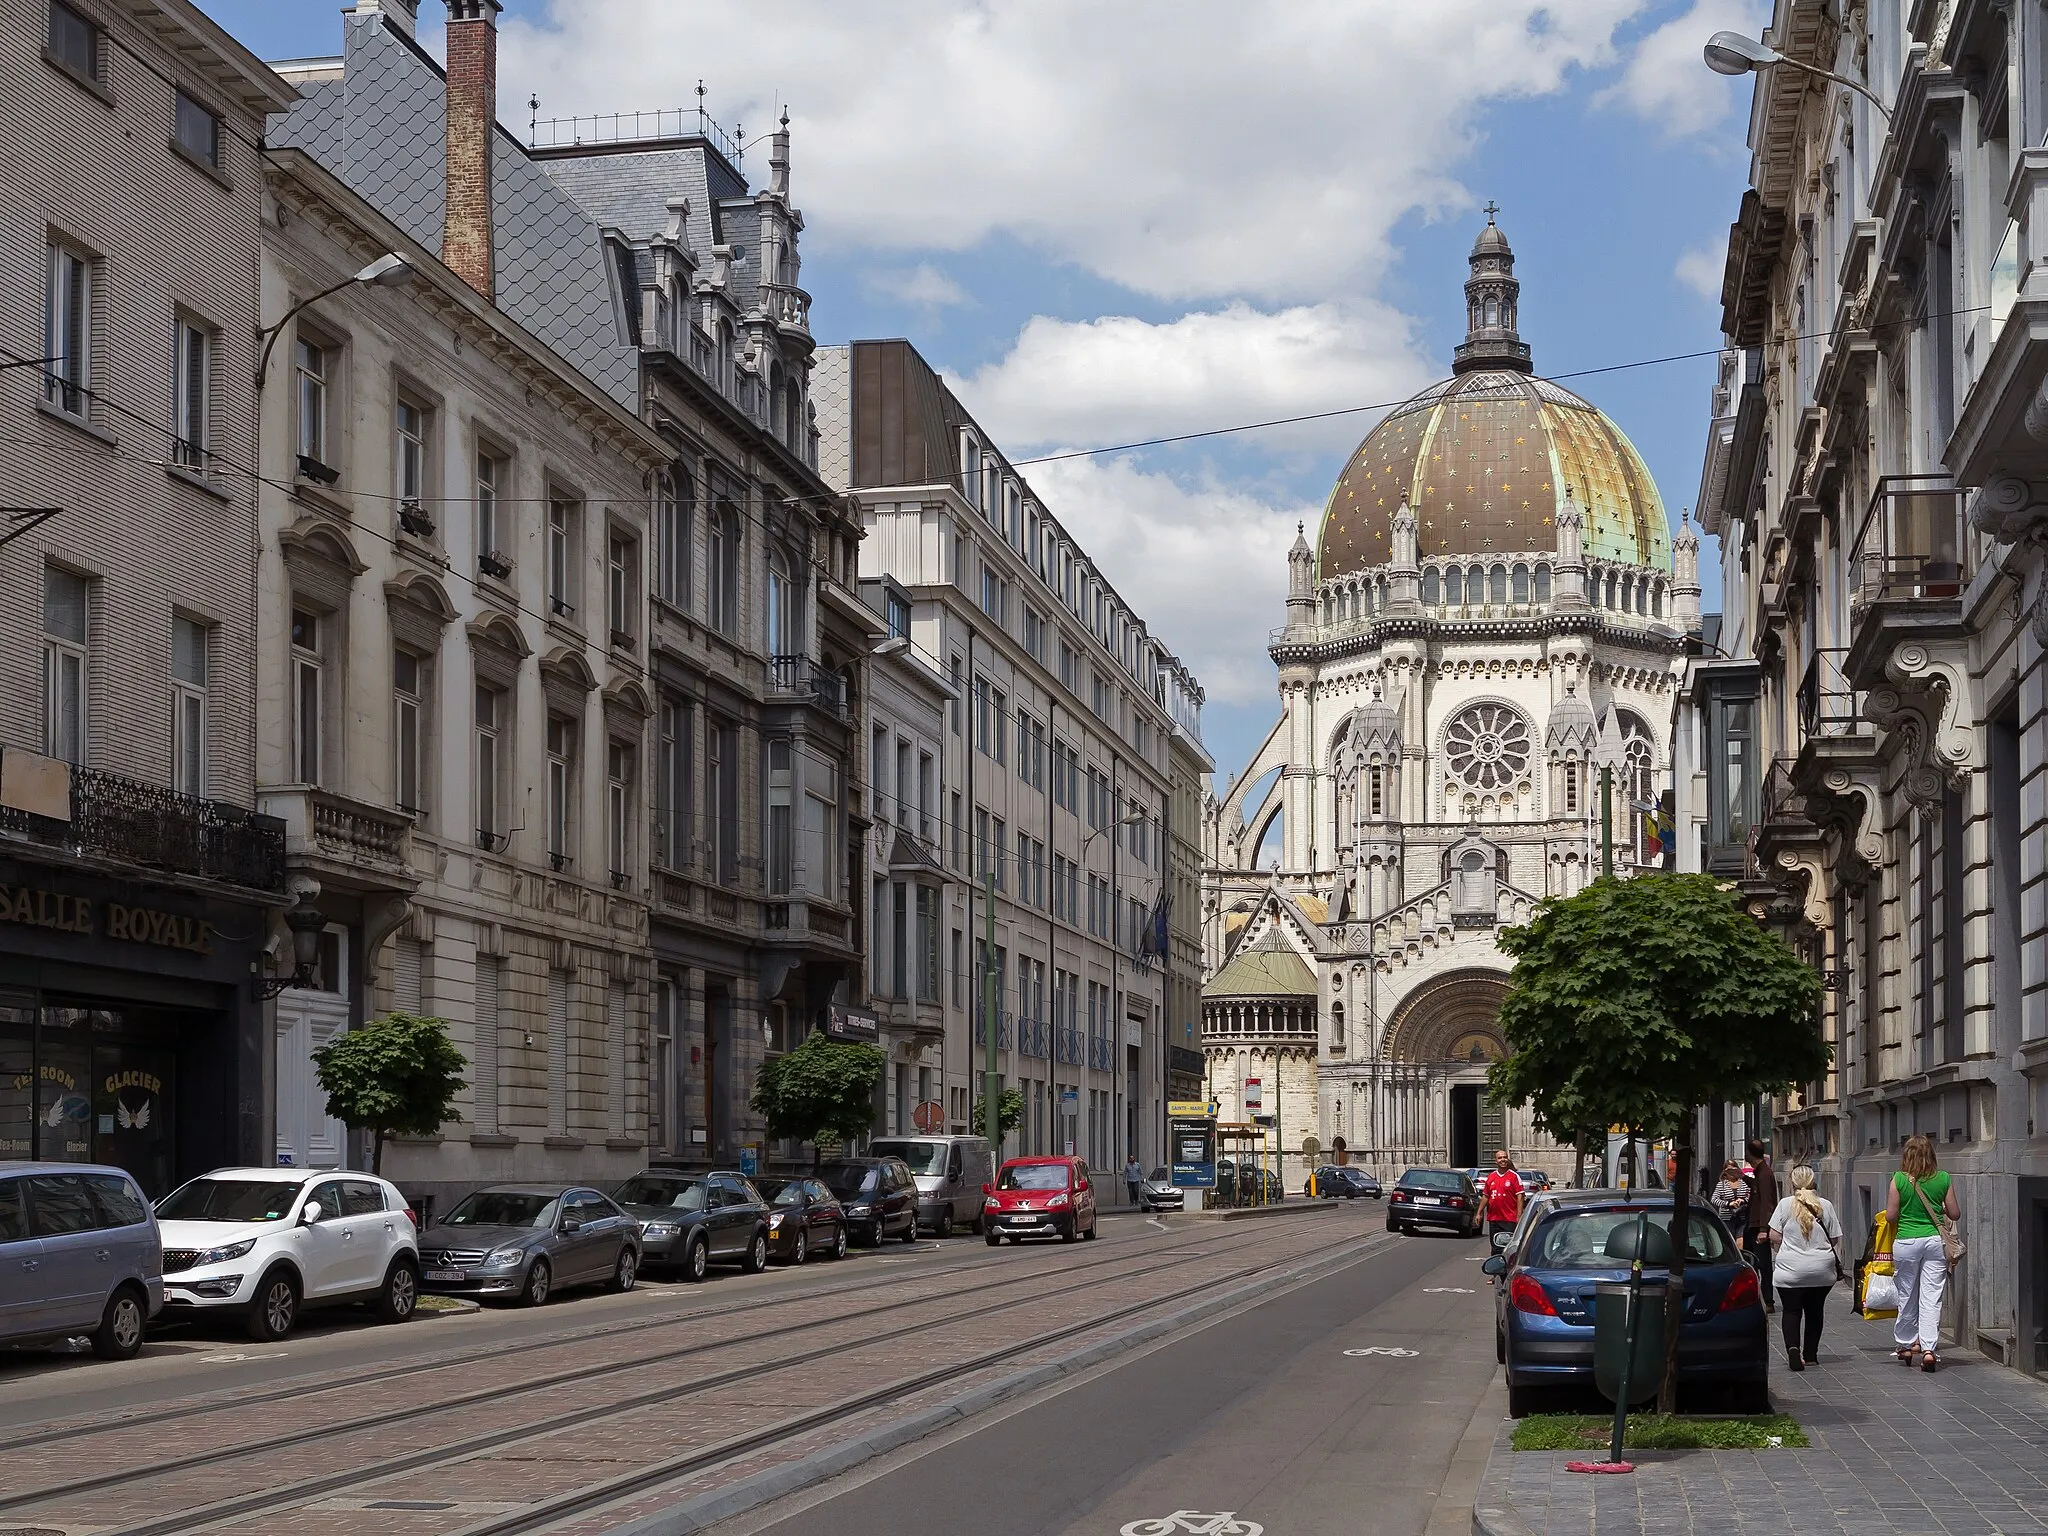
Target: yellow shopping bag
1877 1290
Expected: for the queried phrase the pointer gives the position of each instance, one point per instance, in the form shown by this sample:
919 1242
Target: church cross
1490 210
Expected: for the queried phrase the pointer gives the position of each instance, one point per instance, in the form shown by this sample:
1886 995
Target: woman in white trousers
1918 1190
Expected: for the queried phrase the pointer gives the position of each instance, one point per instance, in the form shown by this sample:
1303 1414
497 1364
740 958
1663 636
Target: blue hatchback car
1544 1300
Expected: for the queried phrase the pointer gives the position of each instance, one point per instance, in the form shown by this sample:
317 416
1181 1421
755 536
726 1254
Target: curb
764 1487
1491 1513
1253 1212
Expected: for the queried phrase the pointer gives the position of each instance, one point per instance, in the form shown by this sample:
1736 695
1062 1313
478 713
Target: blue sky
1113 219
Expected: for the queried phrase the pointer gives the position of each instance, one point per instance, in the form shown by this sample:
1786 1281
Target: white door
307 1136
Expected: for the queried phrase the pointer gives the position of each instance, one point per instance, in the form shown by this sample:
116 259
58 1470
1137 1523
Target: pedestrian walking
1134 1177
1501 1194
1730 1199
1920 1252
1763 1199
1805 1236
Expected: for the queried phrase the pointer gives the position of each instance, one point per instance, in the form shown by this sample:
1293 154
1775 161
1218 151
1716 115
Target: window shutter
558 1053
408 964
615 1064
483 1061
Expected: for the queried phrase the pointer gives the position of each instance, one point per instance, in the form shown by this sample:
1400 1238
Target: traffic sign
1191 1109
928 1116
1254 1092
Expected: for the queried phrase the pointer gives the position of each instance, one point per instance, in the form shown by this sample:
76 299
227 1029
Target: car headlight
222 1255
774 1221
859 1210
1056 1203
503 1258
660 1228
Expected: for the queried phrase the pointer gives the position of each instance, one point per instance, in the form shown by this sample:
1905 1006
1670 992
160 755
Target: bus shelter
1253 1157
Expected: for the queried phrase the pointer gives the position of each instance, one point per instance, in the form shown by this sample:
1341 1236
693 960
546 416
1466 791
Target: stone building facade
1489 618
1878 472
138 893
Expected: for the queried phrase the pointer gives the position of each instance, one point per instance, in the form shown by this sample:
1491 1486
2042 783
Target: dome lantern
1492 299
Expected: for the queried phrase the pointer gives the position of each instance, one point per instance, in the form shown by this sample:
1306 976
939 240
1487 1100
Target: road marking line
1385 1349
1447 1290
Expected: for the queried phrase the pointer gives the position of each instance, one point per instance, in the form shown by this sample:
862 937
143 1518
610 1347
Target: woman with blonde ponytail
1806 1235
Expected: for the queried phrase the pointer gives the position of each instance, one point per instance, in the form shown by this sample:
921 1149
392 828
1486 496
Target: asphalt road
1261 1413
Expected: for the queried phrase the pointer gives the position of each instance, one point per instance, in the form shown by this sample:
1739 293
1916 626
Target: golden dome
1484 460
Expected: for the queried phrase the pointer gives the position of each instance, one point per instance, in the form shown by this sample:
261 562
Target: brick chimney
472 122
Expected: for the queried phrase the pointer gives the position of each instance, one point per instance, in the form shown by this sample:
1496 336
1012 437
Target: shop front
130 1032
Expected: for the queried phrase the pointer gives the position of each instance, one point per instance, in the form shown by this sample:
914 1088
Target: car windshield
1434 1178
1034 1176
504 1208
845 1179
923 1156
1158 1175
655 1189
229 1200
1578 1240
782 1192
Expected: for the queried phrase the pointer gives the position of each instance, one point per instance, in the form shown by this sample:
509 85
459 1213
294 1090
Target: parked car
1535 1180
265 1244
949 1170
1040 1197
1333 1181
878 1194
1434 1197
528 1241
1544 1305
804 1217
1159 1193
80 1253
690 1221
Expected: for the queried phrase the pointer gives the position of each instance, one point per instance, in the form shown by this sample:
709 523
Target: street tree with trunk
396 1076
825 1088
1636 1001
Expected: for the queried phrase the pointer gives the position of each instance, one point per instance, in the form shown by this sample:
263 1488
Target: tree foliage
396 1076
824 1087
1637 1000
1009 1111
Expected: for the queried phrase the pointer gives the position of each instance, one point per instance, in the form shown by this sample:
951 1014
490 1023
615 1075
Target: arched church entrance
1450 1028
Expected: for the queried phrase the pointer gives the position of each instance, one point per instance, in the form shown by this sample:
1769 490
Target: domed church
1493 609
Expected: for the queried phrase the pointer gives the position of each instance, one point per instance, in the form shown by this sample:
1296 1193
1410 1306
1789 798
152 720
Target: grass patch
1660 1432
442 1304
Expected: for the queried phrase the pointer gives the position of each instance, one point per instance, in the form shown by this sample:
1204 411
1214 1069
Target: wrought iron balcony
803 678
1002 1029
1829 704
1070 1046
132 822
1911 547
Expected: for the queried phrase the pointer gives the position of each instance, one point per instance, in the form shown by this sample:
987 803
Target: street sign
928 1116
1070 1099
844 1023
1254 1093
1190 1109
747 1164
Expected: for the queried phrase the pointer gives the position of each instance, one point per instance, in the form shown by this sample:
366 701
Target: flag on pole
1656 829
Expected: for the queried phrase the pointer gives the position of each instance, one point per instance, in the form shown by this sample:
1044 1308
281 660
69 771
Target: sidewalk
1894 1450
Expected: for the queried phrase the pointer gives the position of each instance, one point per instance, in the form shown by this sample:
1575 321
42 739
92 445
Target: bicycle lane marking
1224 1523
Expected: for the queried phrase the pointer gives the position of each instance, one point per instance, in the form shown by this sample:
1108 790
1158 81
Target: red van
1039 1197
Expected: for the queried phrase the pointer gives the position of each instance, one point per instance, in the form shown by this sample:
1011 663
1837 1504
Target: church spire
1492 297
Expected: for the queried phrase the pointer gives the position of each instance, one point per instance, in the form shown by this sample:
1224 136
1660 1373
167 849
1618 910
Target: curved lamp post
1733 53
387 271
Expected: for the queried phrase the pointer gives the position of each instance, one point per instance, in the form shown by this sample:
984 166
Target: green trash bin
1610 1340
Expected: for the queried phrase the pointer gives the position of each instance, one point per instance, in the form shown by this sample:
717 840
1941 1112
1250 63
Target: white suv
265 1242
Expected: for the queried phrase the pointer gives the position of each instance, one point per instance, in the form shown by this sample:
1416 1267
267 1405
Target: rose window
1487 747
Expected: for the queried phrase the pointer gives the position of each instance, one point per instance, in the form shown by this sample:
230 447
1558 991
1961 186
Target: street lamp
387 271
1733 53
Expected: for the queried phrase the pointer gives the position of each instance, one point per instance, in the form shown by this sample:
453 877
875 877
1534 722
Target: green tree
822 1088
396 1076
1638 1000
1009 1110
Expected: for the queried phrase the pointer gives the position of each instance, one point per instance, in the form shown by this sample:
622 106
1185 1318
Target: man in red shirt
1502 1194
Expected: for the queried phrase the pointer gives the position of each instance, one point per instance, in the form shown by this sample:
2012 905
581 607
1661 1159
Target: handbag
1952 1245
1880 1297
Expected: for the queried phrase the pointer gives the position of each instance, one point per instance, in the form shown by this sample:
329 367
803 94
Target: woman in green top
1917 1257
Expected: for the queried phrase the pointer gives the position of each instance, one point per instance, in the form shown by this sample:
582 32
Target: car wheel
910 1232
540 1280
993 1240
1750 1397
697 1259
876 1236
1522 1401
757 1254
839 1242
119 1335
1500 1347
1073 1230
1393 1226
399 1297
946 1222
626 1271
276 1308
1090 1233
978 1226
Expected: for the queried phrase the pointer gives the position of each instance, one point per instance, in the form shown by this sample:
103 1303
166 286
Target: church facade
1493 611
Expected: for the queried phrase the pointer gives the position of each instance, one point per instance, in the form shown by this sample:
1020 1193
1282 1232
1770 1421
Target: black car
1434 1197
804 1217
878 1195
690 1221
1332 1182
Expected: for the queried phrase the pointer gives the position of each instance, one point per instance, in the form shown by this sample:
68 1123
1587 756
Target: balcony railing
1002 1030
1828 704
1070 1046
1911 546
801 676
1034 1038
148 825
1101 1053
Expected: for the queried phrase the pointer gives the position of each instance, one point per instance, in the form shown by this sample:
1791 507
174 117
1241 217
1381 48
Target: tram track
281 1500
1151 1260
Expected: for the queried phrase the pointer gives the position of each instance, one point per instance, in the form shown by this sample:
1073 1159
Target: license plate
446 1274
1427 1200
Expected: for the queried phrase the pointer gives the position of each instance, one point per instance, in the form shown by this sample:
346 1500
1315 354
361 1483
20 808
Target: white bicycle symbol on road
1385 1349
1224 1524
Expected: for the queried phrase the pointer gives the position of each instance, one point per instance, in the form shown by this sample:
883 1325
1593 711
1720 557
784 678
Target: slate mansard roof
381 128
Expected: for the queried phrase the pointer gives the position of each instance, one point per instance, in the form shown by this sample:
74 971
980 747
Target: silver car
527 1241
79 1255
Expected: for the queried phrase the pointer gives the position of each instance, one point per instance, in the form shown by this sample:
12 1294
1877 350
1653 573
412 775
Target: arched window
1521 584
1336 1026
1542 583
1430 594
779 625
1569 772
1610 590
775 401
1499 584
1365 596
1638 775
1454 587
1492 312
1375 791
1657 600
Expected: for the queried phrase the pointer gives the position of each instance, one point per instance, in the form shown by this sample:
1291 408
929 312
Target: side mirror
570 1224
1500 1241
1496 1265
988 1189
311 1214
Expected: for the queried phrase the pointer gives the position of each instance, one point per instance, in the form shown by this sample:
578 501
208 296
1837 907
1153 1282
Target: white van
950 1171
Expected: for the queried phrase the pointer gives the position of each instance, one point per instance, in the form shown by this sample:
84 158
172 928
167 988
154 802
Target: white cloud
1701 267
1181 148
923 286
1121 379
1667 82
1202 563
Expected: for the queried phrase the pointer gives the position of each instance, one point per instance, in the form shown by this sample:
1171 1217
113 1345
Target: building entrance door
1465 1124
307 1136
2032 1343
132 1099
